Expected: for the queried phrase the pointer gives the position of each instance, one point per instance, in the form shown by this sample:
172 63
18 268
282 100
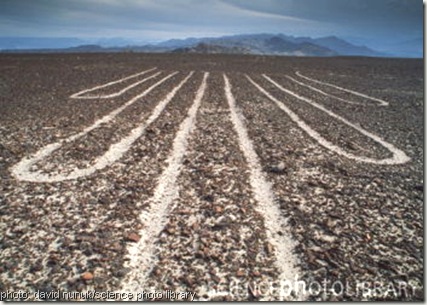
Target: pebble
87 276
171 230
269 248
133 237
279 168
219 209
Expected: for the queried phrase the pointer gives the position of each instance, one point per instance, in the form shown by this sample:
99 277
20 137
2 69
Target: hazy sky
156 20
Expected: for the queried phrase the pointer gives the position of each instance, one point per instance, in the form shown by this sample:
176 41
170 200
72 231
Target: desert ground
231 177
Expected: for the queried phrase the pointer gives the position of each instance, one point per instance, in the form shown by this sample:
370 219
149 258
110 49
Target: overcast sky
157 20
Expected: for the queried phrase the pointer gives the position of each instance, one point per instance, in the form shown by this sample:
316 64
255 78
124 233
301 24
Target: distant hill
343 47
280 44
265 44
205 48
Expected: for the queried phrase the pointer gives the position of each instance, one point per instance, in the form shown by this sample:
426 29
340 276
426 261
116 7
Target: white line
78 94
142 253
321 92
382 102
22 170
286 261
399 156
115 112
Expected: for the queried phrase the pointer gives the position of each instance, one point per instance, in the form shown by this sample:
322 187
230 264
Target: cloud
354 14
163 19
133 17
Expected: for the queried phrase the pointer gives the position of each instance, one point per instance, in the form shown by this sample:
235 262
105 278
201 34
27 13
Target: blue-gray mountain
266 44
271 45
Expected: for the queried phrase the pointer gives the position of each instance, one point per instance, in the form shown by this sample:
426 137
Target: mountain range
270 44
261 44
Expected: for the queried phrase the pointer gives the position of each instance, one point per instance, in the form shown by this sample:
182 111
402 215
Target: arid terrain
233 177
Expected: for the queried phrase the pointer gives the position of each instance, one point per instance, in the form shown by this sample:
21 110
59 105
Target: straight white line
321 92
115 112
286 261
22 170
142 253
78 94
382 102
399 156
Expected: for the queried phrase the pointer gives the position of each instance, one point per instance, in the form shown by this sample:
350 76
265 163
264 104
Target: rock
208 198
377 181
87 276
171 230
88 252
311 258
189 281
186 232
240 273
35 268
269 248
184 211
115 247
419 187
133 237
353 146
195 226
104 200
199 254
218 209
120 272
331 223
278 169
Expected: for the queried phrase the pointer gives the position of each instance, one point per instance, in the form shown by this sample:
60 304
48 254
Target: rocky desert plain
233 177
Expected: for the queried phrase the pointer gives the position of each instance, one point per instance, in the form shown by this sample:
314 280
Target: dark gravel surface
214 239
82 151
352 222
355 222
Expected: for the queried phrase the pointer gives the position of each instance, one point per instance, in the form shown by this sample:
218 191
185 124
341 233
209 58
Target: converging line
274 222
399 156
78 95
321 92
142 253
382 102
22 170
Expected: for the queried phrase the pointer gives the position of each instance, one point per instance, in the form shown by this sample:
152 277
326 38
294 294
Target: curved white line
382 102
22 170
322 92
78 94
285 262
142 253
399 156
